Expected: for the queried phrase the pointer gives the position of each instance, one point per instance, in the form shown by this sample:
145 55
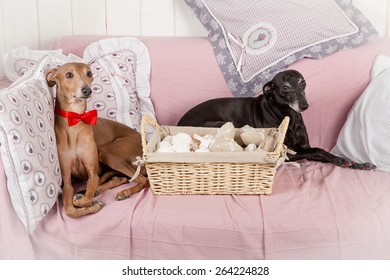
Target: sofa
315 211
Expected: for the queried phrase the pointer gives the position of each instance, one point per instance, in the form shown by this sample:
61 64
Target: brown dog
103 154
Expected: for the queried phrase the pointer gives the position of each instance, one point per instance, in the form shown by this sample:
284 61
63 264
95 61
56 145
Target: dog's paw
101 204
77 198
358 166
120 197
343 162
123 195
363 166
80 201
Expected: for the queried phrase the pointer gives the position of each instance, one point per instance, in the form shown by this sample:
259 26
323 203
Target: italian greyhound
283 96
98 150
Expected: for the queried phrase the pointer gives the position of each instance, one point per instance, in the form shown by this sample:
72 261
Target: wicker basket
209 173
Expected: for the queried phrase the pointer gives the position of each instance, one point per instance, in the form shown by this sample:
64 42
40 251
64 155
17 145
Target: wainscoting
38 23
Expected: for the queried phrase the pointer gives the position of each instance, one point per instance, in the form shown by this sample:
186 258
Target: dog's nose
304 106
86 91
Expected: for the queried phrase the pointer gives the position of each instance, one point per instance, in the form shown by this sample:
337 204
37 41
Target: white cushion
121 87
366 133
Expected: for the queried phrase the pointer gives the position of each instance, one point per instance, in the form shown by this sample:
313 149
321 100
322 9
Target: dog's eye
302 84
90 74
69 75
284 87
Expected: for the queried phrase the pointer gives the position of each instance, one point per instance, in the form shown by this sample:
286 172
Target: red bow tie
74 118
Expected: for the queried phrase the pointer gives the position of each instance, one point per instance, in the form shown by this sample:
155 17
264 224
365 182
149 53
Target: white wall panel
54 20
376 11
38 23
20 23
157 18
388 19
186 23
2 35
123 17
89 17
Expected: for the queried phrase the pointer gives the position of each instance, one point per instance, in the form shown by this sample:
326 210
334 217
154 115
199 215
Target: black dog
283 96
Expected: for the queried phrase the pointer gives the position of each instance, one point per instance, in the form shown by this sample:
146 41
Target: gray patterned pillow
253 40
28 146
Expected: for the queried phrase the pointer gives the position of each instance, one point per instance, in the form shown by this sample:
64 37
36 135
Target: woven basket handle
146 120
283 130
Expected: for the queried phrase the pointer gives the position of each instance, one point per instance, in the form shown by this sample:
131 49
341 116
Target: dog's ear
51 77
268 88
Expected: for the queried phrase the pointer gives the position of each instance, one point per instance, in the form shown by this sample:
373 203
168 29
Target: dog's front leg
67 198
318 154
86 200
91 169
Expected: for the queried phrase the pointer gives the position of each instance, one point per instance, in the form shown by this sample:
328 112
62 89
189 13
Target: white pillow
366 133
121 87
28 146
22 61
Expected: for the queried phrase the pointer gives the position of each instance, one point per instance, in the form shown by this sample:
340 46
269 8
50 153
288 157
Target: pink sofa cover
316 212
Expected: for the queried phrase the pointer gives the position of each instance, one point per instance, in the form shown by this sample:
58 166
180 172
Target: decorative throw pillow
364 135
121 68
20 61
253 40
28 146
